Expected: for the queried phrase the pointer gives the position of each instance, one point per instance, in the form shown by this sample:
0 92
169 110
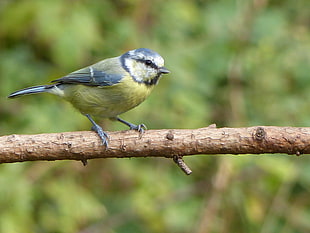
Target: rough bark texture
155 143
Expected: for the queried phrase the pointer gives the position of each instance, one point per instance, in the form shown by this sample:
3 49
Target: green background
233 63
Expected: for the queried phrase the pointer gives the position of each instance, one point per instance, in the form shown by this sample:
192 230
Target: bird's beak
164 70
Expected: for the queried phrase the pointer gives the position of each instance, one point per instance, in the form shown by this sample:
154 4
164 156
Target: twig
180 162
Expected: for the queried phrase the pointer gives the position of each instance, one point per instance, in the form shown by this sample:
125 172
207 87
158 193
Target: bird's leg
103 135
140 128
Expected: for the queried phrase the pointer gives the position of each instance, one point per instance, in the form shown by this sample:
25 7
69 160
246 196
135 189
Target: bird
109 87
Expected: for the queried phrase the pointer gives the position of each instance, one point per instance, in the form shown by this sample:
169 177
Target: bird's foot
140 128
103 135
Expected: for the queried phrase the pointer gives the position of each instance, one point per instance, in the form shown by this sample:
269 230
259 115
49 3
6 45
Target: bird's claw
103 135
140 128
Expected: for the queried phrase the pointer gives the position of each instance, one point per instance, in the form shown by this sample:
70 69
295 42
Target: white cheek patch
129 65
134 69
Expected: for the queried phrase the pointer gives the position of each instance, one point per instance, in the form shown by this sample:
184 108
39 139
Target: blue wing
90 76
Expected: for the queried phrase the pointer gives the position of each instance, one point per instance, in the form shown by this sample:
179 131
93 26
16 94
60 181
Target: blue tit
109 87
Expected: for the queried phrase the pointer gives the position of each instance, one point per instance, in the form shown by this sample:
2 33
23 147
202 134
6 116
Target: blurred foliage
234 63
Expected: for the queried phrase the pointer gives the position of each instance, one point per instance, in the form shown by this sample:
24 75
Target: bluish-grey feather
31 90
92 77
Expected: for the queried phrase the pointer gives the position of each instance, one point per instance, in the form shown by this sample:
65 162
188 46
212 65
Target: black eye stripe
148 63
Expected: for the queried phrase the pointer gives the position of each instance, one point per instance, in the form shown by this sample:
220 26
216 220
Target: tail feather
30 90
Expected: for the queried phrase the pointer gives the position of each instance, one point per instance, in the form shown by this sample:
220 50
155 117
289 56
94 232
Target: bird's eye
148 62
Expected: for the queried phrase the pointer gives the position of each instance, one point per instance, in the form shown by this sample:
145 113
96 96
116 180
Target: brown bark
171 143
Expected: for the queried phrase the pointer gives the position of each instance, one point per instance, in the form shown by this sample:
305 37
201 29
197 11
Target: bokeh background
236 63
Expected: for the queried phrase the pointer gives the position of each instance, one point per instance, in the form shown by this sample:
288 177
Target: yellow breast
107 101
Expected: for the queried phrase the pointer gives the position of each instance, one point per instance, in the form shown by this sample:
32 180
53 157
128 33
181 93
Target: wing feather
90 76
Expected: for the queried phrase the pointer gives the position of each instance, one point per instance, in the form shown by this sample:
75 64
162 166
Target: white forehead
147 54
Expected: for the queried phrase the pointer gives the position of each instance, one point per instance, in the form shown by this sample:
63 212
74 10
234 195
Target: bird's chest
110 101
131 94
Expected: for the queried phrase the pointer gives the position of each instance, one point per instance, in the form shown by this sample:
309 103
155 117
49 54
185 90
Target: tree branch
173 143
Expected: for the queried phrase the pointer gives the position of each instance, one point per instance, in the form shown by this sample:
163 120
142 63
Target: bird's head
144 65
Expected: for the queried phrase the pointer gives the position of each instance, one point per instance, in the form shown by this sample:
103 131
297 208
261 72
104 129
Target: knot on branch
170 135
259 134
